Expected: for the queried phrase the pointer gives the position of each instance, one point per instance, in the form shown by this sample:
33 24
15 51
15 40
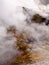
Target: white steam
17 16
